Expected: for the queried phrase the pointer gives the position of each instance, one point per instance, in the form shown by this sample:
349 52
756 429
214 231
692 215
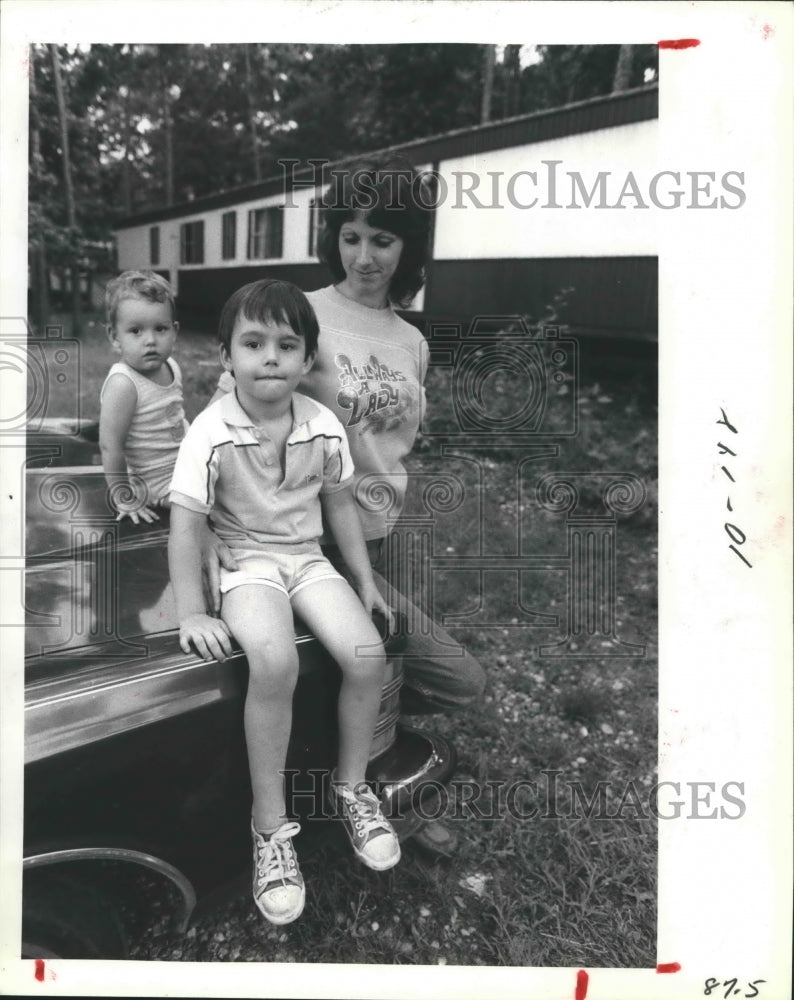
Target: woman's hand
210 636
341 514
214 554
371 598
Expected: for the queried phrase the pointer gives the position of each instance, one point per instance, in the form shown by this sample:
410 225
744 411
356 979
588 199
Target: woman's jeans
439 675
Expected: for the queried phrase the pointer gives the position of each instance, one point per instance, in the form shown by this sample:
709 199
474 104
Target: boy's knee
273 667
368 665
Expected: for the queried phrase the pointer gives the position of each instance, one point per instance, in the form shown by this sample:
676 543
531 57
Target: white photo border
725 344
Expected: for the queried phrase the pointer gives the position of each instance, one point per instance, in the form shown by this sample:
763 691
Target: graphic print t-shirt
370 370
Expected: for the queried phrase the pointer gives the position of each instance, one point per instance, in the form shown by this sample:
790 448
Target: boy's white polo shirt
229 468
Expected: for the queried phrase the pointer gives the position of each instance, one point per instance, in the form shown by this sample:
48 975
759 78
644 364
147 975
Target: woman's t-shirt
369 371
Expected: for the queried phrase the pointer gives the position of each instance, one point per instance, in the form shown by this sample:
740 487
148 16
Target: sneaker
371 834
279 892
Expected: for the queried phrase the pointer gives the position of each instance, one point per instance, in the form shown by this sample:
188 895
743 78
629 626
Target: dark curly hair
270 301
391 195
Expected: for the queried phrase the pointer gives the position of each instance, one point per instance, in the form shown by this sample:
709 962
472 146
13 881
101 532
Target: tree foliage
153 124
569 73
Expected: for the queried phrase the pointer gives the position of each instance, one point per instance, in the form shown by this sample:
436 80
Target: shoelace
366 808
275 857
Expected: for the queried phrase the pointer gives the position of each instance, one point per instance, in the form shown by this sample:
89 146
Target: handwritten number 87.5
731 987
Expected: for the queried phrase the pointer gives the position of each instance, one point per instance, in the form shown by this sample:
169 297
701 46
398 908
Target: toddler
142 419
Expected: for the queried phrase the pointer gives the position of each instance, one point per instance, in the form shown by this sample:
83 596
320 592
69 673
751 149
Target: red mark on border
39 973
679 43
668 967
582 979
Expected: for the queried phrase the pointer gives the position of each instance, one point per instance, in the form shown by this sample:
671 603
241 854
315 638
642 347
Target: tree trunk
169 152
487 83
512 79
622 77
42 286
40 299
71 214
126 180
249 90
168 134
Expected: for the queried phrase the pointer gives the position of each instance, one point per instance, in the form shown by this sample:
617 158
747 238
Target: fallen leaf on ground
474 883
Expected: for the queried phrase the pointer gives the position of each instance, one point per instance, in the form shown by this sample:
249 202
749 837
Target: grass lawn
553 887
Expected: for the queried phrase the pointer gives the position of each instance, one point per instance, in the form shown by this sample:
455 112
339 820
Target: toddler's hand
209 635
145 514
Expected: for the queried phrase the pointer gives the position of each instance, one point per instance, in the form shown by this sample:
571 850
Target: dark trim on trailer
202 291
601 296
607 111
596 296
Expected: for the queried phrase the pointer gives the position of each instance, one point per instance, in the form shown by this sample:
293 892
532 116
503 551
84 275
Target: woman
369 370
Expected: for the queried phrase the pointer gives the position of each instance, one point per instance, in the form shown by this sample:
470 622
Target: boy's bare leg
260 619
335 615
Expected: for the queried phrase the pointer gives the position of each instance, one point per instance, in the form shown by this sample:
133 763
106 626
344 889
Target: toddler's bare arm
118 408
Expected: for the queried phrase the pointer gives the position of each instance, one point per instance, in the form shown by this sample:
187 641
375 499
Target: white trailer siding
466 231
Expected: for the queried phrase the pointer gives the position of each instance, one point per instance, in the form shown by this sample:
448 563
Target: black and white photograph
495 693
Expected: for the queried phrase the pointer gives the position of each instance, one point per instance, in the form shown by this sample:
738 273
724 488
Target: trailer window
154 245
191 242
229 235
265 232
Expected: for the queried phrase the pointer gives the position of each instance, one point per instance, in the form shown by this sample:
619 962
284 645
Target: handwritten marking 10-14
735 533
731 987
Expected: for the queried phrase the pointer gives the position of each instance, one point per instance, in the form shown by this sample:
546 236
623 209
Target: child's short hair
270 301
137 285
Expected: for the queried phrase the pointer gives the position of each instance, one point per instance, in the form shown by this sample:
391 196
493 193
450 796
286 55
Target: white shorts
287 571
